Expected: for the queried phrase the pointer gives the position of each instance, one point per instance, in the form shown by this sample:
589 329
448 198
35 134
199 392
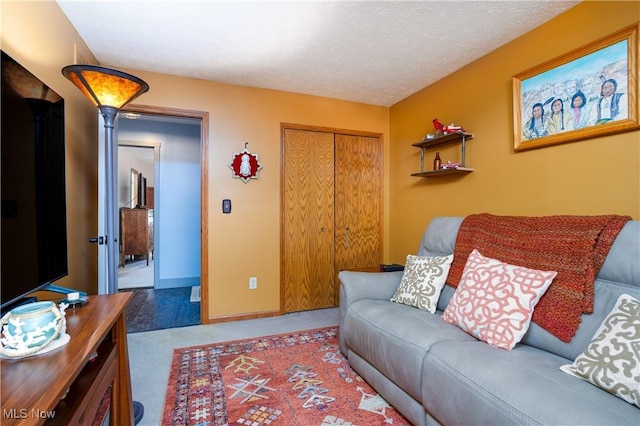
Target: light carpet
298 378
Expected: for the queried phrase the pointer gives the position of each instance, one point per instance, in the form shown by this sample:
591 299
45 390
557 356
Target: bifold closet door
358 203
307 254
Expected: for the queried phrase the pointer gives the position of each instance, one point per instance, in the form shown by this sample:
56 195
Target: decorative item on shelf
450 165
33 328
437 162
448 129
245 165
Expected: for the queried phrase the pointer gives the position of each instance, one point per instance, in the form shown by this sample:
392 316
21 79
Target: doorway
137 184
160 115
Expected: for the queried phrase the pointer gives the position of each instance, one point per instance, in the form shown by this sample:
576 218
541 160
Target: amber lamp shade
105 87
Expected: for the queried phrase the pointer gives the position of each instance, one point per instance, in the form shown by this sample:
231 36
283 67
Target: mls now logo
23 413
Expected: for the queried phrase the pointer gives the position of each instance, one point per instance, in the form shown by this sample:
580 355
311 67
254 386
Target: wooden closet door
358 212
308 220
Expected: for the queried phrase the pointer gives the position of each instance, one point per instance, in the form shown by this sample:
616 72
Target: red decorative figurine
451 128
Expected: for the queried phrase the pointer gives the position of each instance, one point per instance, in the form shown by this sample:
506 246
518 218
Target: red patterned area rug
288 379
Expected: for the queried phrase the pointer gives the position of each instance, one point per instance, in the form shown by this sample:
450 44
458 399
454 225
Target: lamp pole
109 90
109 114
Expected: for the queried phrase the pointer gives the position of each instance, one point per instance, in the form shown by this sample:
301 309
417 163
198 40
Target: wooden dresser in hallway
136 233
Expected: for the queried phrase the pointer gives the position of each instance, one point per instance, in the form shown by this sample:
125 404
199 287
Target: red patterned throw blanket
573 246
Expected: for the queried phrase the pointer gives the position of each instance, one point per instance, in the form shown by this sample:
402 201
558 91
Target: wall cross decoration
245 165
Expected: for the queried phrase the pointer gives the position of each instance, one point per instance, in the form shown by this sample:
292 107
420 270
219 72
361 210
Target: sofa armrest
365 285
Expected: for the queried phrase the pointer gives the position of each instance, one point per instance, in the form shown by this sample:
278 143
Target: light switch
226 206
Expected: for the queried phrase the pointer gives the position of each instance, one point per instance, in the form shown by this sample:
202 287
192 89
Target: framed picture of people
586 93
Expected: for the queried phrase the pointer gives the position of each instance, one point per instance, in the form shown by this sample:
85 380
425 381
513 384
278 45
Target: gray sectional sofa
434 373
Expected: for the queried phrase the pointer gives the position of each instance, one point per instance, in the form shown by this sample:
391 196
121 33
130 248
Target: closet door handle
322 229
346 236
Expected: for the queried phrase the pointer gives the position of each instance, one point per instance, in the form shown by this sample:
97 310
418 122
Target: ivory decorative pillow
494 301
422 281
612 360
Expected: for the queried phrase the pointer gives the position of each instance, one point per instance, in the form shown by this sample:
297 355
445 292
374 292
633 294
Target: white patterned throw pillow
611 360
494 301
422 281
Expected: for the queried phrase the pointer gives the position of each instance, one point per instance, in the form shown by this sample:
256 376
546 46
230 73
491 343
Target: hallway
136 274
152 309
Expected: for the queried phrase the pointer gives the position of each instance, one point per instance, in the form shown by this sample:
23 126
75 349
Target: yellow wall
39 36
594 176
246 242
243 244
573 178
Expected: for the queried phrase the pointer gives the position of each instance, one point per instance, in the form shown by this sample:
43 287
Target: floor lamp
109 90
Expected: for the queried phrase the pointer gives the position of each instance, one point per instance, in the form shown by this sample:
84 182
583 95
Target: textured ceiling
372 52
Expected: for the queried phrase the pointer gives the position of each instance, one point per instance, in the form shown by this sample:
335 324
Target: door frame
292 126
203 116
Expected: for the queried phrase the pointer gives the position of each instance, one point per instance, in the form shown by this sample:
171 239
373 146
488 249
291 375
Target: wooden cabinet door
358 211
307 254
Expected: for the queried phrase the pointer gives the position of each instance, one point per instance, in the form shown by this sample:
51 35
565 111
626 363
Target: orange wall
570 178
246 242
573 178
39 36
243 244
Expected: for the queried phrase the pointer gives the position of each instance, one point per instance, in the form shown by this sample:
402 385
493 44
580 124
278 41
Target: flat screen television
34 218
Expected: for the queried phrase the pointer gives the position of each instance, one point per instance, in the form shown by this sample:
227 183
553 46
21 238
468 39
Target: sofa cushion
621 264
606 294
395 339
494 301
620 274
410 408
422 281
479 384
612 360
439 238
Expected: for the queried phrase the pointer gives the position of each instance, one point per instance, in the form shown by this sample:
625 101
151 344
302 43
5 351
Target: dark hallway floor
152 309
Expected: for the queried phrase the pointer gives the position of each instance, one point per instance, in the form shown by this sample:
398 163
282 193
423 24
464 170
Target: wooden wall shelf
452 138
442 172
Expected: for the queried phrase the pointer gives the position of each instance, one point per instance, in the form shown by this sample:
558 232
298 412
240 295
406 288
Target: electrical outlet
253 283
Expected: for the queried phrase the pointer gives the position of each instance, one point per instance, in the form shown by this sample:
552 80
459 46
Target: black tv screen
34 224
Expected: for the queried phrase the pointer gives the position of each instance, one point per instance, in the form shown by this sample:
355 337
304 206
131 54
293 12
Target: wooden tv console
66 386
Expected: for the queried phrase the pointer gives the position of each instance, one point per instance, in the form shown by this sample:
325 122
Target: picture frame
603 76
